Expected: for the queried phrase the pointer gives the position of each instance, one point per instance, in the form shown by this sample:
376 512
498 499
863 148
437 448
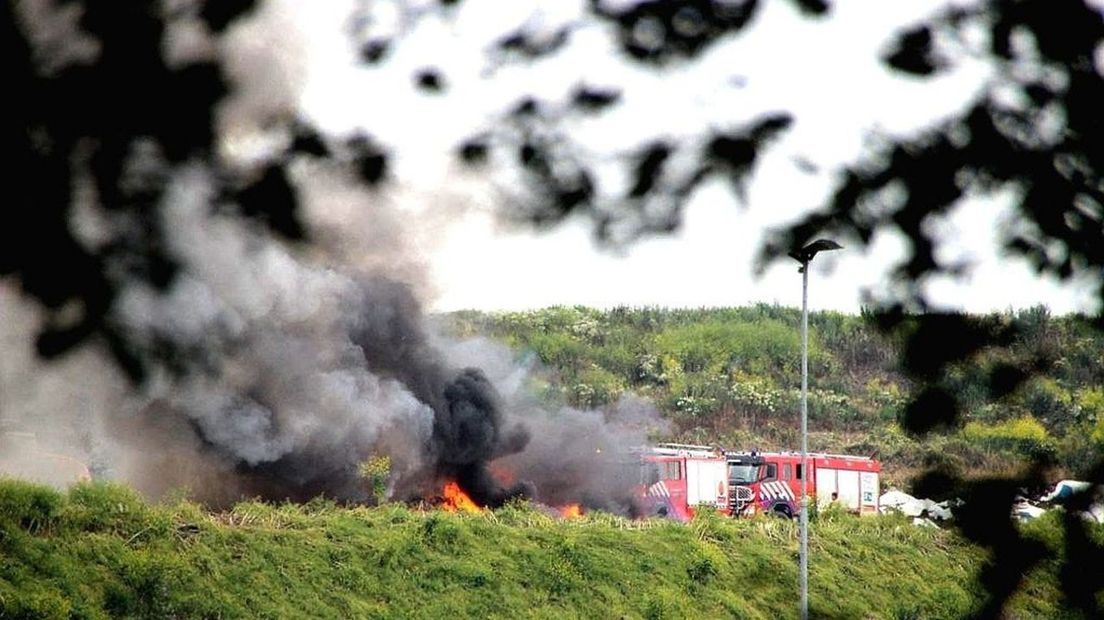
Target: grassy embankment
100 551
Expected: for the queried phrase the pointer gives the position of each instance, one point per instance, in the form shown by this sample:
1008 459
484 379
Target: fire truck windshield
742 474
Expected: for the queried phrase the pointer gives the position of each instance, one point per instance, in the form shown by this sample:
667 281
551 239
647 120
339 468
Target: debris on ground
899 501
1066 490
1024 510
925 512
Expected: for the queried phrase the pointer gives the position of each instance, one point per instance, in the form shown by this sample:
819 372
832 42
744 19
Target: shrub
558 350
758 394
654 369
1080 448
970 384
1090 404
1050 403
106 507
702 569
620 358
377 471
33 603
596 387
759 347
695 406
886 395
758 398
31 506
1024 434
830 408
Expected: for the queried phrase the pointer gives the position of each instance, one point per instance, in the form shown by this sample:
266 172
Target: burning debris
454 499
571 511
467 435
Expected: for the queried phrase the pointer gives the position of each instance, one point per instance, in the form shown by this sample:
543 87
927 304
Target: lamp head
806 254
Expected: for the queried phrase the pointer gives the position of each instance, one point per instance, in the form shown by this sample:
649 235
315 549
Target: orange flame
503 476
571 511
457 500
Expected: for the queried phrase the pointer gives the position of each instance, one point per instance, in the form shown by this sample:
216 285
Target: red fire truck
676 478
770 482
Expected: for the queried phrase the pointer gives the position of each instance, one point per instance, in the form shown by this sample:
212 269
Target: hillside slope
731 377
101 552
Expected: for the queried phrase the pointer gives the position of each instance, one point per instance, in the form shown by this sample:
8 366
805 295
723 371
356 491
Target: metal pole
804 552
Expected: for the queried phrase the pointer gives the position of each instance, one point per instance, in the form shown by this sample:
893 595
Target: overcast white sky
474 261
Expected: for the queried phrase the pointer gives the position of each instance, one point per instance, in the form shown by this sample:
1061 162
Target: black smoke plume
468 434
468 425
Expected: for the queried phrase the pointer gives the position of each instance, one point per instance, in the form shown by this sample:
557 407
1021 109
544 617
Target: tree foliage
1035 133
100 120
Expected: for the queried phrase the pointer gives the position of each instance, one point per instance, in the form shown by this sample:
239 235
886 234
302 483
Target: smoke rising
294 370
276 368
570 456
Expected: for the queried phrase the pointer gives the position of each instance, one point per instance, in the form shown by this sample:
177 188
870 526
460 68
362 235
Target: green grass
100 552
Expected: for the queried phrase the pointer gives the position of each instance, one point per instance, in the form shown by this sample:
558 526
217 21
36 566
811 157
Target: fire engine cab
677 478
770 482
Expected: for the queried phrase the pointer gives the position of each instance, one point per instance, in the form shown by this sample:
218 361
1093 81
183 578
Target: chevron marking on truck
659 489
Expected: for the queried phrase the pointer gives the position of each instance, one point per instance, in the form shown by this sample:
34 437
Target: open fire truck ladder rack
682 449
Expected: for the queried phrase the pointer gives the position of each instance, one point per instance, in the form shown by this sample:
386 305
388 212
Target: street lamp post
805 256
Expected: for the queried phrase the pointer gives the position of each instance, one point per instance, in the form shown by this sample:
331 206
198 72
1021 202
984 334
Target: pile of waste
1026 509
927 513
924 512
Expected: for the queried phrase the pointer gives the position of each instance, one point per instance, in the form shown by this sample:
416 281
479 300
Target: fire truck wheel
781 511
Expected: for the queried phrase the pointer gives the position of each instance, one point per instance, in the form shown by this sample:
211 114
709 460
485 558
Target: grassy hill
101 552
731 376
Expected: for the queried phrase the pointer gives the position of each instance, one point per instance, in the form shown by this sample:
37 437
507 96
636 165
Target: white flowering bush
831 407
695 406
758 394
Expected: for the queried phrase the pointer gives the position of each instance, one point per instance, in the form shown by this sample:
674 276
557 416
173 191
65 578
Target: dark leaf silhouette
430 80
594 99
219 14
648 168
370 160
813 7
658 31
931 409
530 45
273 200
373 52
102 115
308 142
526 107
473 151
914 53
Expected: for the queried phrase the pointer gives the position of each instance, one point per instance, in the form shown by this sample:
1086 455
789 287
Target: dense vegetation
725 376
100 552
731 376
